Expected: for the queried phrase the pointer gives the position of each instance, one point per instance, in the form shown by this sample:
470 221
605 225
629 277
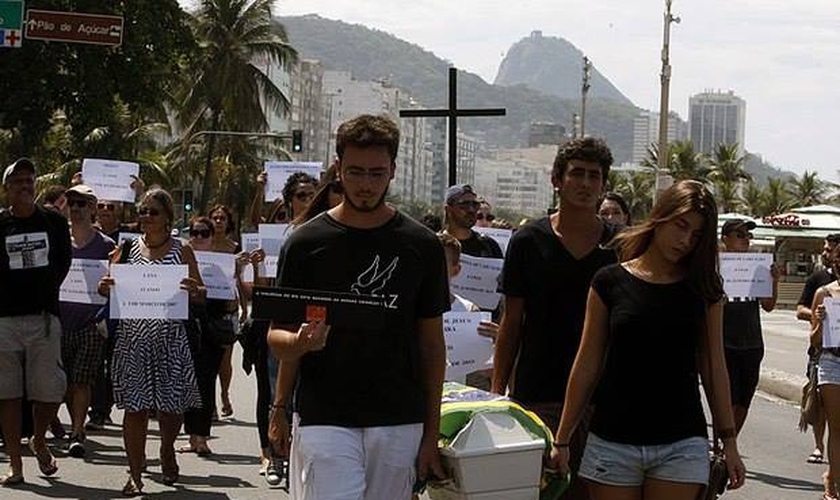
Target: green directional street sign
11 14
11 23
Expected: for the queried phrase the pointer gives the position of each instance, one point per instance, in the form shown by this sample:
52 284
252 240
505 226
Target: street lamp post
587 67
665 80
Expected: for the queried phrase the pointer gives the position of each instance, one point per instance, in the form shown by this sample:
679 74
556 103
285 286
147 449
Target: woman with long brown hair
665 296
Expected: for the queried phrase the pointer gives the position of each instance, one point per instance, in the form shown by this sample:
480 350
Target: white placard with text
279 171
272 237
80 285
499 235
466 350
478 281
218 272
831 323
746 274
149 292
110 179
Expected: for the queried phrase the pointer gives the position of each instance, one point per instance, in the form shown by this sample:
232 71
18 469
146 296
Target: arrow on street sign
74 27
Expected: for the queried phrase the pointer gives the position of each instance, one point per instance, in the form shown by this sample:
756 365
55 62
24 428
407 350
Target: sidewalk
785 358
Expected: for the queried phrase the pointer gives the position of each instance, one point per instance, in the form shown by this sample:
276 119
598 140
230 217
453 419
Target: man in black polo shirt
461 210
549 265
817 279
35 255
742 339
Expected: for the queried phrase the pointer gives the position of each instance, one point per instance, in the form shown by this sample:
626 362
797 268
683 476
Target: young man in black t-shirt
742 339
817 279
368 395
549 265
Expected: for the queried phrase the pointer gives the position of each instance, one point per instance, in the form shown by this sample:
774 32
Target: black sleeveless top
648 393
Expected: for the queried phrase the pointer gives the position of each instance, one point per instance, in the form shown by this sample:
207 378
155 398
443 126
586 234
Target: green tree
776 197
637 191
727 165
753 199
82 81
226 88
809 190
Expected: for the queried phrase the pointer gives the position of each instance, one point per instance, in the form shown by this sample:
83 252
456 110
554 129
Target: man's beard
381 201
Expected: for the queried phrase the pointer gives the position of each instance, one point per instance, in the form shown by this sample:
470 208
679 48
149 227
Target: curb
782 384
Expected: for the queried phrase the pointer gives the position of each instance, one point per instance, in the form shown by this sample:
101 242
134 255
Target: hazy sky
782 57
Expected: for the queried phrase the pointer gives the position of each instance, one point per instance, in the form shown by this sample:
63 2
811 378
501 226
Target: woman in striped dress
153 368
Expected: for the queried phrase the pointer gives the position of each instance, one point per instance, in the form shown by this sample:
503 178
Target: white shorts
346 463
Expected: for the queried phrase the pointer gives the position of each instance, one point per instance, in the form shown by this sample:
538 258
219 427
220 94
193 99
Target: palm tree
777 199
753 199
228 90
683 161
727 165
637 191
726 196
809 190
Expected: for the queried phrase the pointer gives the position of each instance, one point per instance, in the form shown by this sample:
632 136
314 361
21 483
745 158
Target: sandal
816 457
133 487
11 479
169 468
46 462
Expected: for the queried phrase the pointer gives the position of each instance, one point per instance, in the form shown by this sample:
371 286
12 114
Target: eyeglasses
464 204
200 233
77 203
304 195
108 207
148 212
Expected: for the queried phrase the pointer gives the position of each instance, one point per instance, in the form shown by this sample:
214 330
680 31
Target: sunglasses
108 207
741 235
304 195
490 217
200 233
150 212
77 203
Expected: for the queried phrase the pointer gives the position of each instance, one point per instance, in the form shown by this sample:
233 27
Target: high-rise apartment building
308 110
646 132
716 118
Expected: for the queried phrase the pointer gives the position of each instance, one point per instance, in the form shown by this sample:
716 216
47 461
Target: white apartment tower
646 132
716 118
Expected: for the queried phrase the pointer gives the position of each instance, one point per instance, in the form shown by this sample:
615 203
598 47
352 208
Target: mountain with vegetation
372 54
553 66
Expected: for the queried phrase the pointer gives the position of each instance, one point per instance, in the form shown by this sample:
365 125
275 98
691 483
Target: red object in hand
316 313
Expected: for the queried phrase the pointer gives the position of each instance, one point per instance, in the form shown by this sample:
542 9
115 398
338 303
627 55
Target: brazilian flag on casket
460 402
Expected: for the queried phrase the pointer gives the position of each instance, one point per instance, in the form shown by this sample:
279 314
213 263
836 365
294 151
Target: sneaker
57 430
276 471
77 447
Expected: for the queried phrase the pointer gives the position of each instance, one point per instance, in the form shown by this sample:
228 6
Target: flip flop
11 479
46 462
200 451
815 458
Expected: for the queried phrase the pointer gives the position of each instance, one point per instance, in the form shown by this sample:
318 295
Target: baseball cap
733 224
21 165
457 191
81 190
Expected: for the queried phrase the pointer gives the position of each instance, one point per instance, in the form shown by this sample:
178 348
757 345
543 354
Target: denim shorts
828 369
618 464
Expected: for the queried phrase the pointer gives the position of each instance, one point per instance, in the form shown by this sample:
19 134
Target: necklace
155 247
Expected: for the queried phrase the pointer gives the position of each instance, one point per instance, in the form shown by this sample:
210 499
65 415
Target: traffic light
297 141
188 202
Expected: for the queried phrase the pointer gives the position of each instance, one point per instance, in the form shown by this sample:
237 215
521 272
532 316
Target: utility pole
665 80
587 68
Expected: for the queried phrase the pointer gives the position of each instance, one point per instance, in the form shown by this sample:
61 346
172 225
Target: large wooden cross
452 113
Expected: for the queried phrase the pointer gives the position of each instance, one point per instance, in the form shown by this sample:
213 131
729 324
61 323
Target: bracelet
558 444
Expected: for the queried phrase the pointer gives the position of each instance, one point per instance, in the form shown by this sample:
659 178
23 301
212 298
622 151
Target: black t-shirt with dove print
367 377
